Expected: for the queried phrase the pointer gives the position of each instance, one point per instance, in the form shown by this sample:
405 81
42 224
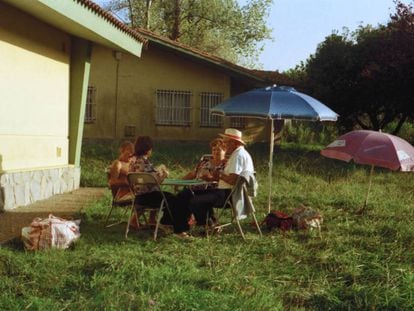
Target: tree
367 76
329 76
220 27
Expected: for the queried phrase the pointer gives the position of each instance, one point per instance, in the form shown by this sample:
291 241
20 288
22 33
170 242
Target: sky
300 25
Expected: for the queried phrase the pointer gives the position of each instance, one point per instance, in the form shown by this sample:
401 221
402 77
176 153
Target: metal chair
117 201
136 180
229 206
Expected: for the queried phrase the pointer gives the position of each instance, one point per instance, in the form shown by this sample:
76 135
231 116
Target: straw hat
233 134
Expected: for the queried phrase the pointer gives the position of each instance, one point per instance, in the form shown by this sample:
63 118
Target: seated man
240 161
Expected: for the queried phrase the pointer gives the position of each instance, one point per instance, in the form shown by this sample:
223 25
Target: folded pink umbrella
372 148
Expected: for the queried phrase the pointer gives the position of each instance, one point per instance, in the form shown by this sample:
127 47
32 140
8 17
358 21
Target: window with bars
90 111
209 100
237 122
173 107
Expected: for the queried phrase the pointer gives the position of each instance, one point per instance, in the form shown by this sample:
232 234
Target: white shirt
239 161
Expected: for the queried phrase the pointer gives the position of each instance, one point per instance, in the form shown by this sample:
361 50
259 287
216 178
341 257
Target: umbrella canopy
372 148
274 102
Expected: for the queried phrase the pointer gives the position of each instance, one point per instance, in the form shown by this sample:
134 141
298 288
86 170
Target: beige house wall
34 110
34 88
126 93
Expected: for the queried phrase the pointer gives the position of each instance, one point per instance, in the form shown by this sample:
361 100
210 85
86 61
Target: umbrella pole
272 139
369 186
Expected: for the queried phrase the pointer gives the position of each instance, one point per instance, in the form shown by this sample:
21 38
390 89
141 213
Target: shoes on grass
183 236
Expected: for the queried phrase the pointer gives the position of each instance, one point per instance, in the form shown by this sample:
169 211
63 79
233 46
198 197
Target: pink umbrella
372 148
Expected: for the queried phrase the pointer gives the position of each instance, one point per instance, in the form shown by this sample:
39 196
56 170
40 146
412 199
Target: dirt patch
63 205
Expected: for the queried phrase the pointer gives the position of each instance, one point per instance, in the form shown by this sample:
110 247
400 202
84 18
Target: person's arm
124 168
115 170
210 177
161 173
190 175
230 179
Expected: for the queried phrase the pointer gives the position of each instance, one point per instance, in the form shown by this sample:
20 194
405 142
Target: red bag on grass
279 220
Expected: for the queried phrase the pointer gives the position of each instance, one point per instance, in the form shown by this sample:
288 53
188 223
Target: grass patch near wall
361 262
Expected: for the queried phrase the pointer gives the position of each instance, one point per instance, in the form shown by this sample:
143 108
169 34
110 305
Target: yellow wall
138 80
34 88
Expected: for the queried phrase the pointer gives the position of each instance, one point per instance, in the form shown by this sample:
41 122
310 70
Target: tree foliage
221 27
367 76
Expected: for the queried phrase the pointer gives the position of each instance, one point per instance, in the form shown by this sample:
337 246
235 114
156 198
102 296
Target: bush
304 132
406 132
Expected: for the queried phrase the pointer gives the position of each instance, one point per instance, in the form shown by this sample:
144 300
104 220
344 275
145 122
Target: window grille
173 107
90 113
238 123
207 101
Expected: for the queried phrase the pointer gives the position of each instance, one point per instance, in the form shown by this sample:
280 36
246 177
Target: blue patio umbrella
275 103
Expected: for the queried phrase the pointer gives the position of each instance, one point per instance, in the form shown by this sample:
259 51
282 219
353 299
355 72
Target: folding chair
145 179
117 201
229 206
206 157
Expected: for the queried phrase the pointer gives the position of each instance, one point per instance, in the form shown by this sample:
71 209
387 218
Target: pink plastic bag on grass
51 232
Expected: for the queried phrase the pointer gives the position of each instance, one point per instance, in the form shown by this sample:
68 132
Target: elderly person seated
239 162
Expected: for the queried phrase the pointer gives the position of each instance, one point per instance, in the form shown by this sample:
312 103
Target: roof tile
112 19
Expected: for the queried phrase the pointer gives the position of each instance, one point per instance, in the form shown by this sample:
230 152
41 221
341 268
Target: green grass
361 262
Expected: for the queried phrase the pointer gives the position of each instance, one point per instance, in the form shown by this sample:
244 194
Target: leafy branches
221 27
367 76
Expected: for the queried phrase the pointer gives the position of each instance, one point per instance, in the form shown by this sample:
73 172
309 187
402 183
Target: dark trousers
178 206
203 202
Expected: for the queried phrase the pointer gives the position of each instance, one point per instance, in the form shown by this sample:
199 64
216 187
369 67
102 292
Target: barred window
209 100
237 122
90 111
173 107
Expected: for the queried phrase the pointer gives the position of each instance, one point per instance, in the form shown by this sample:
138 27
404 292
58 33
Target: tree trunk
400 124
175 31
147 14
131 14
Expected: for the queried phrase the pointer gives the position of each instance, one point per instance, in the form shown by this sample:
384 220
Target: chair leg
129 221
257 224
240 228
319 230
157 225
108 215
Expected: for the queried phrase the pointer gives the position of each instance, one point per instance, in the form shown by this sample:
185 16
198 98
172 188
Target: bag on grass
305 218
51 232
279 220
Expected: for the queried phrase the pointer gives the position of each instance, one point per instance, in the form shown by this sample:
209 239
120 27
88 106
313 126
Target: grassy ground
361 262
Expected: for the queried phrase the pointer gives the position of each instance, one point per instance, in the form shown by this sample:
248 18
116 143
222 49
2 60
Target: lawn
361 262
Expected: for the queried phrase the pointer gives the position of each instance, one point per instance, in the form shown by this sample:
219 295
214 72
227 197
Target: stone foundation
26 187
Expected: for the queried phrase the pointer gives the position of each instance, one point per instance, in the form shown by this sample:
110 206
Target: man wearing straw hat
240 161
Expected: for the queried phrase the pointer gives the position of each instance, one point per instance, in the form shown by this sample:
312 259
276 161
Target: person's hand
163 171
216 175
207 176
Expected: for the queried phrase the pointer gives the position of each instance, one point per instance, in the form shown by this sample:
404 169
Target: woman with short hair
150 195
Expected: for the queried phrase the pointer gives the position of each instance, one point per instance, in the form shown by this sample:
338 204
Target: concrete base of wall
25 187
